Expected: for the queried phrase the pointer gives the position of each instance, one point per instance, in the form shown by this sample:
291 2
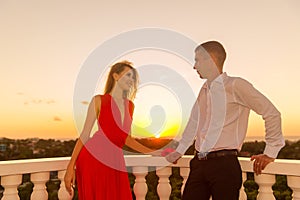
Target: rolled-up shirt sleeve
190 130
248 96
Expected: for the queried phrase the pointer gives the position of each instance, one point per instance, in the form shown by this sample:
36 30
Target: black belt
215 154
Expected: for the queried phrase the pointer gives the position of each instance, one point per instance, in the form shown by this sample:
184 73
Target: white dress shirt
219 118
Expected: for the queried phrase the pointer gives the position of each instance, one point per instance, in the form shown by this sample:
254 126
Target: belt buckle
202 155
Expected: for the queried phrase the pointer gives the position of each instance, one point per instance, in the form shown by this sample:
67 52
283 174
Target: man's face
202 63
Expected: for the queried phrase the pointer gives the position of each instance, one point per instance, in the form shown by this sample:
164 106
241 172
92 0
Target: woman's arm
134 144
92 113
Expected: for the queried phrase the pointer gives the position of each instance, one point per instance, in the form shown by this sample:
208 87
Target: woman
100 166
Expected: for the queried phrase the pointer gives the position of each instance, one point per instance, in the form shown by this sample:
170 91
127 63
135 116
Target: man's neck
211 78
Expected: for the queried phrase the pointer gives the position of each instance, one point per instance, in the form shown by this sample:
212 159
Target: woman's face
125 79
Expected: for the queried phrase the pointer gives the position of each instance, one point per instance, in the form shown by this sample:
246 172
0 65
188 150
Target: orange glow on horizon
45 126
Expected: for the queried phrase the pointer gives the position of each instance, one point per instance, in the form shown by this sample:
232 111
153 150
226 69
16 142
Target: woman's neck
117 93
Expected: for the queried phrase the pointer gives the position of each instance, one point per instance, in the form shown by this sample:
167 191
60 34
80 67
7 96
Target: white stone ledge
25 166
280 166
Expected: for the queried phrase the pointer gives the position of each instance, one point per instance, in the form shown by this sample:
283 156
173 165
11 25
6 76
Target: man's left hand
260 162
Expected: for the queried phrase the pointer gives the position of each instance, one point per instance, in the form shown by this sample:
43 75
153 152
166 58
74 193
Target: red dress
100 167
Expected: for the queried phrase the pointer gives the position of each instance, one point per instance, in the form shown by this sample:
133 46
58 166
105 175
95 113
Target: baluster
140 187
265 182
10 184
184 173
39 180
294 183
62 192
243 195
164 187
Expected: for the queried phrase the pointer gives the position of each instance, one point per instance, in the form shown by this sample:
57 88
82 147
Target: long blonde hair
119 68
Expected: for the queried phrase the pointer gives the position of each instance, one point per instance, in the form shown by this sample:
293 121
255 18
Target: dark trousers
219 177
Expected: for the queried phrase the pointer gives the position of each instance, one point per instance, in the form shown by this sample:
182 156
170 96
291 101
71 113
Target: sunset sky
44 44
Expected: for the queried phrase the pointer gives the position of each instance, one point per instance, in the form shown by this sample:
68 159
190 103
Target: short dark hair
214 48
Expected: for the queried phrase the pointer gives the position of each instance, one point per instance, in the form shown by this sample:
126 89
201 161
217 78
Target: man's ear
216 62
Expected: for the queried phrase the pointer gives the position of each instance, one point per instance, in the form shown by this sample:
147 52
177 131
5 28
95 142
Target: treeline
11 149
291 150
14 149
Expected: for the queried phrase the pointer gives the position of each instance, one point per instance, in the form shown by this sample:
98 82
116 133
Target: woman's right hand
70 180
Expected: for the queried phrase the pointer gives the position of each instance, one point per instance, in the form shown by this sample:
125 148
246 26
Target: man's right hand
173 157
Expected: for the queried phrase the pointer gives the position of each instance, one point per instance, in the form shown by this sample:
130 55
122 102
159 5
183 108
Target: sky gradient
44 44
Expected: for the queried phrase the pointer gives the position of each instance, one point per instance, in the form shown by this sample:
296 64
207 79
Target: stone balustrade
39 169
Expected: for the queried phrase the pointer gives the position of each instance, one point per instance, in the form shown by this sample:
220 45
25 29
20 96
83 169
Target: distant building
3 147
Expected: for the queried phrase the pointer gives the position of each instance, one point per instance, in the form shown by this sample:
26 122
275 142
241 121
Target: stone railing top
280 166
24 166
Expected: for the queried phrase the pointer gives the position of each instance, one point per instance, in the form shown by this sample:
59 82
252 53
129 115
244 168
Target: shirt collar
219 80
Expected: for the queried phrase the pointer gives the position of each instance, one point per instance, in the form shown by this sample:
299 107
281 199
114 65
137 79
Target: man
219 122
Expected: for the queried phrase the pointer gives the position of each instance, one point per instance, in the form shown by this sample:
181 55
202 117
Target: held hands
70 180
171 155
260 162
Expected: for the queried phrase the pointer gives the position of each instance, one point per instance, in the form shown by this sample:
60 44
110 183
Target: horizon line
74 138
